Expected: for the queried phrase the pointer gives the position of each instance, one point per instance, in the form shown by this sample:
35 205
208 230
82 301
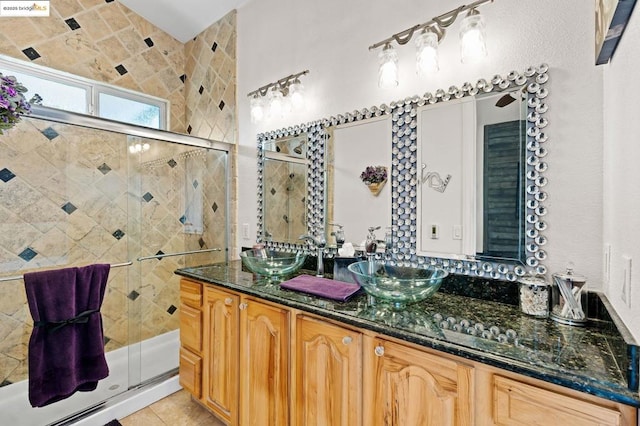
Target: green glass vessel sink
271 263
397 285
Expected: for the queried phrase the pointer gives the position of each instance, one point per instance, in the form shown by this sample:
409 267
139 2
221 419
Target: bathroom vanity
254 353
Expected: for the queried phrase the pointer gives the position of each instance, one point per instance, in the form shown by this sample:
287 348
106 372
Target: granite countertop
593 359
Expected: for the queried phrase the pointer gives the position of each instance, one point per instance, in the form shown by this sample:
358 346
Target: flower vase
376 187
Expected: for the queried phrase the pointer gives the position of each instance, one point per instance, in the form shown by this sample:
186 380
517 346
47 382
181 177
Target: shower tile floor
176 409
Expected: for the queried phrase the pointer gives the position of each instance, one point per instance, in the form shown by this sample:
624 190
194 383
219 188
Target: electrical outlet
435 232
625 295
245 231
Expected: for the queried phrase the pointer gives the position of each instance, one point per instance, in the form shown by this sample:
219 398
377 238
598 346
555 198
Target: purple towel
66 349
323 287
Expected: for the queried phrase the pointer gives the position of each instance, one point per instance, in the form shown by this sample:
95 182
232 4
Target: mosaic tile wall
211 81
72 196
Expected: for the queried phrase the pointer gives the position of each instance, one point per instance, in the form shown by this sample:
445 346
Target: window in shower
134 111
69 92
60 93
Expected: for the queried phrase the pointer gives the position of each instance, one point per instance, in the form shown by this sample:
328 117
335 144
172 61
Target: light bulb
388 71
296 95
276 102
257 109
427 53
472 38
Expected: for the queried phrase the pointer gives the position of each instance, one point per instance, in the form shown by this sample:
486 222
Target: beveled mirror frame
317 136
404 175
405 171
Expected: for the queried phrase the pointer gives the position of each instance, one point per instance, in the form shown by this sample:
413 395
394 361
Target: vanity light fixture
430 33
388 70
427 52
278 98
275 98
296 95
257 109
472 37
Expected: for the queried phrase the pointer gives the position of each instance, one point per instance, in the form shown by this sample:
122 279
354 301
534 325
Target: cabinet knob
228 301
347 340
243 306
379 350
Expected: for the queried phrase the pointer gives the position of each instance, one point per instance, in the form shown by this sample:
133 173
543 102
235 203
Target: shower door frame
66 117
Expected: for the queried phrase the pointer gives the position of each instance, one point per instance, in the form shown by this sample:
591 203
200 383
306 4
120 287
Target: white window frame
92 88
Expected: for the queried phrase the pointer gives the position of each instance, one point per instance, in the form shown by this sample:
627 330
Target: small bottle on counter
534 296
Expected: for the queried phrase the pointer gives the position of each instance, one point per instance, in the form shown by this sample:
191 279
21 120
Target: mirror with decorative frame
407 176
291 184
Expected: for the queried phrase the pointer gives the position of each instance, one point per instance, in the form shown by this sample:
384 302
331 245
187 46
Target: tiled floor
175 410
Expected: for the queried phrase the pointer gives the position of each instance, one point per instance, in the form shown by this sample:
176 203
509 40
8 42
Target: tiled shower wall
285 192
211 83
105 41
71 195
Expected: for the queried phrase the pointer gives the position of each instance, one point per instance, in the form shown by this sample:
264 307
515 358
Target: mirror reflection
501 140
285 189
471 198
355 202
466 166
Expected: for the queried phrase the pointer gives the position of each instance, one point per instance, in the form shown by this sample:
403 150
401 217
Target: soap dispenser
371 243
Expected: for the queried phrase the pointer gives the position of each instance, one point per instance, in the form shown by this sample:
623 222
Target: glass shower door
179 200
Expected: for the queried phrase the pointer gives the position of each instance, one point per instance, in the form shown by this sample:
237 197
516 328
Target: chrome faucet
319 242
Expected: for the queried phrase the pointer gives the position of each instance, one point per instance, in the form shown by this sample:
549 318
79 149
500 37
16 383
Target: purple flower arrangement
374 174
12 102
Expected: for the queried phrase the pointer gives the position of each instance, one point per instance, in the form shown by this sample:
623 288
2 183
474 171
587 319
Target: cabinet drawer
518 403
191 372
191 328
191 293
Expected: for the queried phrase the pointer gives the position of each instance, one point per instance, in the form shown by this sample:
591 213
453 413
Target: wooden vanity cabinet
220 372
253 362
328 366
406 386
246 359
190 363
505 398
264 364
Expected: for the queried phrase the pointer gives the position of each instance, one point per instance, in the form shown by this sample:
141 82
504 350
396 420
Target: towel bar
19 277
160 256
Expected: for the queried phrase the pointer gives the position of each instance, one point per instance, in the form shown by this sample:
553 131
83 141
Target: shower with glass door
75 191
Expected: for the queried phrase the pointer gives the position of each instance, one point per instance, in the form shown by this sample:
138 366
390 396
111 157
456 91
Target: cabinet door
406 386
220 353
191 293
328 374
520 404
191 328
264 364
191 372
